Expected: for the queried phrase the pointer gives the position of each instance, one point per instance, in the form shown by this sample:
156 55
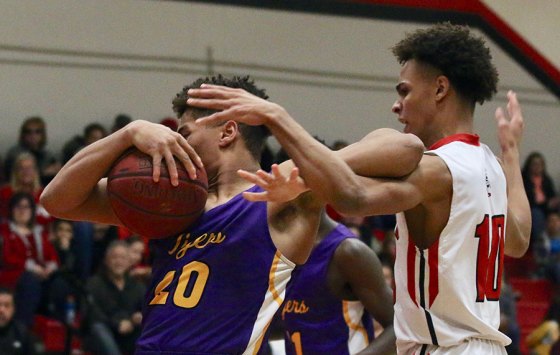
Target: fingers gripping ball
150 209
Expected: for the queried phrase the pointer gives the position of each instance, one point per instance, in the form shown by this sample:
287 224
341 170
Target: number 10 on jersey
490 258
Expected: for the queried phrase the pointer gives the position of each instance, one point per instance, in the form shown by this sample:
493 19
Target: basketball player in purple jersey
331 299
216 286
460 210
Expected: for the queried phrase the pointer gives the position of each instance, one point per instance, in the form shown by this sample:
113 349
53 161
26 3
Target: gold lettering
199 242
302 308
293 306
177 243
183 249
286 308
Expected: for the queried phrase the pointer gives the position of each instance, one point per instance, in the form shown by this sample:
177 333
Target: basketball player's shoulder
351 250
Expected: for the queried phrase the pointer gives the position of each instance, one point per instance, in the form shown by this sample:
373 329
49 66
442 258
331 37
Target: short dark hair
459 55
6 291
253 136
58 221
120 121
21 196
33 121
92 127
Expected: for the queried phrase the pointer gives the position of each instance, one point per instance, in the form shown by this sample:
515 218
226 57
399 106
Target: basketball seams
141 174
154 210
148 212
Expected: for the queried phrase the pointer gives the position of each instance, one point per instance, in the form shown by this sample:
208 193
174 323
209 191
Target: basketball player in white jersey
461 210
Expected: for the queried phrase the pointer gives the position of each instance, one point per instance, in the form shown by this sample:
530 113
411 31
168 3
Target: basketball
150 209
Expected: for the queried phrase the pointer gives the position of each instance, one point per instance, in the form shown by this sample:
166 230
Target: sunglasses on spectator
33 130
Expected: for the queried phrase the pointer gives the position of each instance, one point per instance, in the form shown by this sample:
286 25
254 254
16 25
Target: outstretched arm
324 172
79 190
518 224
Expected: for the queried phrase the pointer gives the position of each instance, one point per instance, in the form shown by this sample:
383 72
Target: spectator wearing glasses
28 258
33 139
24 178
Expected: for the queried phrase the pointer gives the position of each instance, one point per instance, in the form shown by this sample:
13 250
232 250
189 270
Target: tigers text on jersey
315 320
216 287
449 293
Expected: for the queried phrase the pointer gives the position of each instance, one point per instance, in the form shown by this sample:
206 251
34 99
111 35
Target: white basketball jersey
449 293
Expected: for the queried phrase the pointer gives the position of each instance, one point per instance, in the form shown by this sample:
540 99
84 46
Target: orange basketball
154 210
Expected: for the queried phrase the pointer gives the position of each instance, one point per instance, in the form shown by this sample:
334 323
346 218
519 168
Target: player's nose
396 108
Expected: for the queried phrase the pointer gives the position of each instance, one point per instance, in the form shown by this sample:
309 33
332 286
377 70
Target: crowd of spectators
77 273
46 263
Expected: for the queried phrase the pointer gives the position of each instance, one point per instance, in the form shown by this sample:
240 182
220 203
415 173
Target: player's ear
229 132
442 87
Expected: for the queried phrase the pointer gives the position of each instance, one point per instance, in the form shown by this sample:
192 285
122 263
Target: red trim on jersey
411 270
472 139
433 262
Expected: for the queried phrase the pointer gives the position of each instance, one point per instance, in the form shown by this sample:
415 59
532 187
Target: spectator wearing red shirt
24 178
28 258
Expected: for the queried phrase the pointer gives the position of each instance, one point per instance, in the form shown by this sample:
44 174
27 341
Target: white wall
536 21
79 61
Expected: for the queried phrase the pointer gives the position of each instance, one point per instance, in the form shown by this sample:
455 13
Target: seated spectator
508 317
14 337
66 283
120 121
540 192
62 235
33 139
24 178
28 258
139 265
113 312
92 133
542 339
547 249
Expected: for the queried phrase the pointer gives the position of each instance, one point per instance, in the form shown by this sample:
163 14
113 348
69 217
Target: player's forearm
324 172
78 178
518 229
384 153
384 344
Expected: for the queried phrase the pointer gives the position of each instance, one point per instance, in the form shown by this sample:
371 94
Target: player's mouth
405 123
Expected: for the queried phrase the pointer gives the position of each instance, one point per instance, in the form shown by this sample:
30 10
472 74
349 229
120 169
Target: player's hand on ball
278 187
162 144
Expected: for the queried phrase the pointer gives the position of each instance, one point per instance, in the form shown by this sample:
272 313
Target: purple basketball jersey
216 286
316 321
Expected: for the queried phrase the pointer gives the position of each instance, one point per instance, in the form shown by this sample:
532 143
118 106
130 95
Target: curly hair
253 136
463 58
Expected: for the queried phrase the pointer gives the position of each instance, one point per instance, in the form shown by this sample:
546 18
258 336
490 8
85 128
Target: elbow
415 149
349 201
49 202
